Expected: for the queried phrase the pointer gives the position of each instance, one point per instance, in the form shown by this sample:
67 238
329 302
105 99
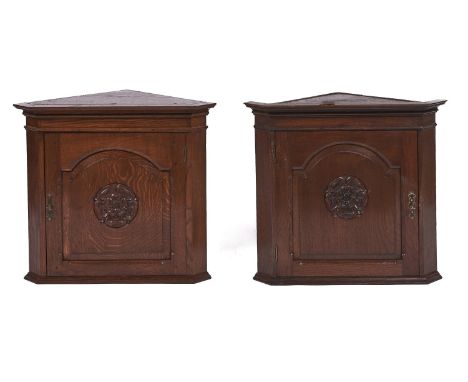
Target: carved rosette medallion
115 205
346 197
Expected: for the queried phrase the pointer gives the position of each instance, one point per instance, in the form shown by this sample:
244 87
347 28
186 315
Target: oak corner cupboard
346 190
116 189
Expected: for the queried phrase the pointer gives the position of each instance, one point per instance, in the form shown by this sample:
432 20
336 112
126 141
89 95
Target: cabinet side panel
264 175
36 203
196 202
427 201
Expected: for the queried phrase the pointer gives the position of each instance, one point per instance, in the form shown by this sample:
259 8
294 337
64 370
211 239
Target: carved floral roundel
346 197
115 205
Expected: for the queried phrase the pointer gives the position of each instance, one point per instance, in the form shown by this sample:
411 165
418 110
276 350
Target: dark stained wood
427 200
148 235
116 102
122 124
195 211
345 102
376 234
36 203
161 279
314 154
344 280
292 121
265 178
117 198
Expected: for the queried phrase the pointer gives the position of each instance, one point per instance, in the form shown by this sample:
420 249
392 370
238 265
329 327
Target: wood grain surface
386 146
117 185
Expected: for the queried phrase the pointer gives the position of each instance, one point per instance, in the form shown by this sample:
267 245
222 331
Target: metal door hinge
273 150
49 208
276 253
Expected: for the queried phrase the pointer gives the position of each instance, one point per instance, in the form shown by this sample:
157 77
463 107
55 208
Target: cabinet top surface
122 101
344 102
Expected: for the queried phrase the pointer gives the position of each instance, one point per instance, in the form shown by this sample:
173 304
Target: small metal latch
412 205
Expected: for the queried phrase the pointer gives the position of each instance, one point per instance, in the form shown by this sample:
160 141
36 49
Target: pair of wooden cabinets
345 189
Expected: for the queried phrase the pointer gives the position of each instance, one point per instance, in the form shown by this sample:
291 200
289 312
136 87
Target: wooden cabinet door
115 204
347 203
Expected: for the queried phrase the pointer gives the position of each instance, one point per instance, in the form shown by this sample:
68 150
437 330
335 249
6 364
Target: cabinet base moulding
300 280
160 279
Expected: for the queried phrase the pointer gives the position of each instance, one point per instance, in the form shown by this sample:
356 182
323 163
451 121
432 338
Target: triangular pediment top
342 102
127 100
343 98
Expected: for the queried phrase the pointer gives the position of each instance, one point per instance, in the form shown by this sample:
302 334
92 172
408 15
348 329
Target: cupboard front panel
115 202
347 194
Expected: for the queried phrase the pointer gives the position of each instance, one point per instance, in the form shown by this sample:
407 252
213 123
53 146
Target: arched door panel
342 203
124 200
117 205
353 197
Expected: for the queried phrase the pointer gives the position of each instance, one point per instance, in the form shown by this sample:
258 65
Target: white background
232 328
